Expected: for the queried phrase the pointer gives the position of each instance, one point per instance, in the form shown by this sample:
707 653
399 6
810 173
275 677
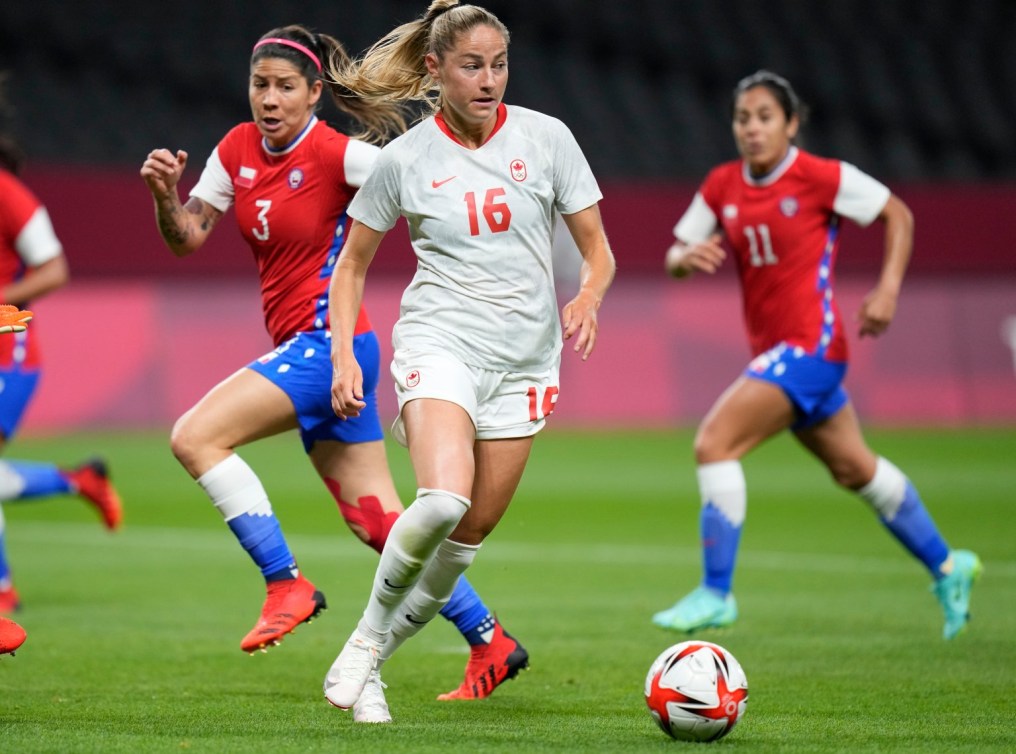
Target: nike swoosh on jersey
396 586
411 619
439 184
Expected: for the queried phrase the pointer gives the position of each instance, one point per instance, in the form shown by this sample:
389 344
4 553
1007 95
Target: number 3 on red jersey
496 213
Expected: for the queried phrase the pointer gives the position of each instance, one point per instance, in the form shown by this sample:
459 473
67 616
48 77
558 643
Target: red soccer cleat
12 636
489 666
290 602
9 601
91 481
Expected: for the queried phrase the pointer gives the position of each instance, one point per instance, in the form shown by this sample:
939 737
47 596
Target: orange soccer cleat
91 481
290 602
13 319
12 636
489 666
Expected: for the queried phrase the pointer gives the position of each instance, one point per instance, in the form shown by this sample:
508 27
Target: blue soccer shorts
302 368
16 389
813 385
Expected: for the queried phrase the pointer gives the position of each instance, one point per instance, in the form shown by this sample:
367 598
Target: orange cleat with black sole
489 666
290 602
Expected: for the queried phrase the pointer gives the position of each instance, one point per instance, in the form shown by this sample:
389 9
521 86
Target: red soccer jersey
784 230
26 240
291 210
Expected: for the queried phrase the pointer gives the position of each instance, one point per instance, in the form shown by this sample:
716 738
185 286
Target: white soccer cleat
372 707
351 670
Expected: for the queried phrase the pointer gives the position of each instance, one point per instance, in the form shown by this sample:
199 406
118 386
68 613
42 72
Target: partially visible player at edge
12 635
32 264
779 208
291 177
479 337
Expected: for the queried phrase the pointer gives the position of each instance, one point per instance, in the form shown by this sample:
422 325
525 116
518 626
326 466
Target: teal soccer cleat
702 608
953 591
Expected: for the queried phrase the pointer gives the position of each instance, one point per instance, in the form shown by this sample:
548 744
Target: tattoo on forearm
172 226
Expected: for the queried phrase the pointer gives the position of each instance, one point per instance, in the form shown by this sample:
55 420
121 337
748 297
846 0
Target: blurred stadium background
921 94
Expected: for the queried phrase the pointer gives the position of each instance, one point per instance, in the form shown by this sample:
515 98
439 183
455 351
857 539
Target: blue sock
720 540
466 610
261 536
913 527
5 570
40 479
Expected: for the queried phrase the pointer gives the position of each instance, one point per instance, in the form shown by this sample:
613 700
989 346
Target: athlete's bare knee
187 445
709 450
849 473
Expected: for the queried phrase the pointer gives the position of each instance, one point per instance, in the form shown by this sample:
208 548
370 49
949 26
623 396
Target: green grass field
134 638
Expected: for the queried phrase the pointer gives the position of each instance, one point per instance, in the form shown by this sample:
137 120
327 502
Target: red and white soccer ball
696 691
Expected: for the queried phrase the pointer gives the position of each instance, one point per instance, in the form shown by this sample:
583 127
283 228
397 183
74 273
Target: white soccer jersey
481 223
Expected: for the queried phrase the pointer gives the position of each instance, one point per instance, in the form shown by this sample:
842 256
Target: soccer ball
696 691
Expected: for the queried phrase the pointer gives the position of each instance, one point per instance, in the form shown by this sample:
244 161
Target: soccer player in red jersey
779 209
32 265
290 178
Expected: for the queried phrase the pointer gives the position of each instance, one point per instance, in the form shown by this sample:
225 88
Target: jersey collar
773 175
502 116
278 151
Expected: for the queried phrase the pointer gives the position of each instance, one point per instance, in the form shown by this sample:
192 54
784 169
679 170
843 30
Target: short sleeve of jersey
359 161
574 184
697 223
378 203
860 197
214 186
37 242
25 227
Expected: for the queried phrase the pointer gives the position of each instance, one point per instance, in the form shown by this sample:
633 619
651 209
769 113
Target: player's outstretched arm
13 319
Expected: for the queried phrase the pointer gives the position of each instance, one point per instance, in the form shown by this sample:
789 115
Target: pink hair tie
290 43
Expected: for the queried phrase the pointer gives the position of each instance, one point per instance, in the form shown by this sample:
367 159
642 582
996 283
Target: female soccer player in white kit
290 177
478 342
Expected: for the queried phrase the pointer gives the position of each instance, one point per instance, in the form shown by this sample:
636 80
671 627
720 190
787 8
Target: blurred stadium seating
919 93
907 89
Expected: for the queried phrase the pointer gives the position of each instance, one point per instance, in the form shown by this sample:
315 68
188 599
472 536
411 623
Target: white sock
886 490
411 544
235 489
12 484
722 484
431 593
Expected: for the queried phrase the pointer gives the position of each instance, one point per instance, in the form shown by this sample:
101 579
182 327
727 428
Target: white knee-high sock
411 544
432 591
724 506
237 493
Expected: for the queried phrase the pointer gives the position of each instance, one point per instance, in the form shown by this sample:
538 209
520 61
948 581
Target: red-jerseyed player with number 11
779 208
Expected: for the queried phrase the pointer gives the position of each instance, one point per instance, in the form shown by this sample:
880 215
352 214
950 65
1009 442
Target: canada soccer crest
518 168
413 378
